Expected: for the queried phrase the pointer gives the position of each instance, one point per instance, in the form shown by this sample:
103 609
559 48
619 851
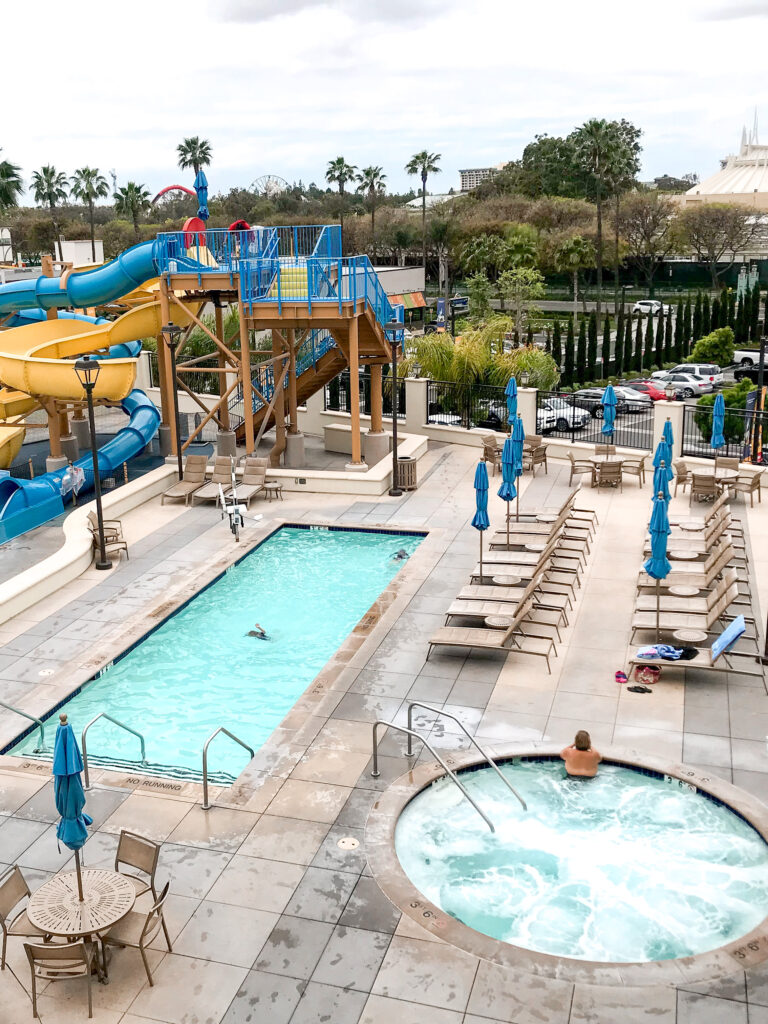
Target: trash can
406 473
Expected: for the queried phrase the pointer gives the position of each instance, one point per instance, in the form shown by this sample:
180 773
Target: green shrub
716 347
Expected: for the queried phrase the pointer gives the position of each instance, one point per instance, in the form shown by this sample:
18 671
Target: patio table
507 581
598 461
722 474
55 909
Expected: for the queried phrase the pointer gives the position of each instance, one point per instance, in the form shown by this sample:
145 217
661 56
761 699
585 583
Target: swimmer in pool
400 556
580 758
258 632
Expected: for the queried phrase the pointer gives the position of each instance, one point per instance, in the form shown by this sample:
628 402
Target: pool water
308 588
620 868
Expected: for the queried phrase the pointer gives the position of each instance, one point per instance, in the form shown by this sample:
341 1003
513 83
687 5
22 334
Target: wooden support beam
293 405
354 393
245 372
195 398
219 319
278 391
54 430
219 345
164 367
278 403
376 399
208 418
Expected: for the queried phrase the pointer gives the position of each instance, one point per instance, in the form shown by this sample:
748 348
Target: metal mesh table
55 909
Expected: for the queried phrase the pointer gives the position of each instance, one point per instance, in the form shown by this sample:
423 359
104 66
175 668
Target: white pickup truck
746 356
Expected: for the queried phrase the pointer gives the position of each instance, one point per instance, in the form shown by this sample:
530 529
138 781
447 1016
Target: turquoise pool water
200 669
620 868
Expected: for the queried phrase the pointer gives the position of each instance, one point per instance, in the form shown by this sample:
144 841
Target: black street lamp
394 326
171 334
87 370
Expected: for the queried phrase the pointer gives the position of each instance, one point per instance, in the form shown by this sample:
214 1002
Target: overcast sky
282 86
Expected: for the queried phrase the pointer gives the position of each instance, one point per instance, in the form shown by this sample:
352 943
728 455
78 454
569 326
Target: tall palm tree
50 187
11 185
194 152
88 186
423 164
340 172
131 201
373 185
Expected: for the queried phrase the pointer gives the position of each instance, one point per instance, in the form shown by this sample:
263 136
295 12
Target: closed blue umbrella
511 392
507 491
609 411
718 422
657 566
518 440
661 477
480 520
667 434
201 187
662 454
68 792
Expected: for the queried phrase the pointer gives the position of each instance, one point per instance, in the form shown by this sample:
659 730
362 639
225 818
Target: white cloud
368 11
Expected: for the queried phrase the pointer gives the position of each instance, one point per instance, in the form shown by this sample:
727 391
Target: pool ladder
410 732
114 721
9 707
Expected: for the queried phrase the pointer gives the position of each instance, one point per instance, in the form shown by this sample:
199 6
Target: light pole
756 424
171 334
87 370
394 326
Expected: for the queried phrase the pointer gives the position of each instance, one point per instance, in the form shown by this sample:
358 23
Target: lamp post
394 326
670 391
87 370
524 378
171 334
756 424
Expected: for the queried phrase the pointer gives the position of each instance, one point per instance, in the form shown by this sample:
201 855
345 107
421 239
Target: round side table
681 591
498 622
273 489
690 636
507 581
683 556
546 517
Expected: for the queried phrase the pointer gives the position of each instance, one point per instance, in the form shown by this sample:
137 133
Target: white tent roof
743 173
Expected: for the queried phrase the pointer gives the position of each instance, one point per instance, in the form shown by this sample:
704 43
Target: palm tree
573 255
88 186
194 152
340 172
49 188
11 185
372 184
131 201
423 164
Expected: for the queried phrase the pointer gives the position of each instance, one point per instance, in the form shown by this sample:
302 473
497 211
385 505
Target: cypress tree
581 353
679 329
569 346
529 337
697 332
648 353
754 322
668 337
548 342
592 347
747 314
687 329
606 351
557 350
731 322
659 352
637 361
738 330
715 318
618 352
627 361
706 317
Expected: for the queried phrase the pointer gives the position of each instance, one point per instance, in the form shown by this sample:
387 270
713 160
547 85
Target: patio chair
722 462
609 475
113 535
635 466
137 852
491 451
605 449
192 480
13 916
60 963
704 487
138 930
534 457
221 475
579 468
682 474
532 441
748 483
252 483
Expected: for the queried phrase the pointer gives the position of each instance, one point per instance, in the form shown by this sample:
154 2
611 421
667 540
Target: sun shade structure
661 477
511 392
609 411
507 491
718 422
68 790
662 454
201 187
480 520
657 566
667 434
518 440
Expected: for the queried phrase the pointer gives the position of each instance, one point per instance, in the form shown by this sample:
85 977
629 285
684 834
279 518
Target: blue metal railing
217 249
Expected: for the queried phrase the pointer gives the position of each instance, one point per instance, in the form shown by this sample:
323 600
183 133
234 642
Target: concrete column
356 462
143 372
376 443
526 406
226 443
415 404
675 411
80 431
54 462
294 451
70 447
221 362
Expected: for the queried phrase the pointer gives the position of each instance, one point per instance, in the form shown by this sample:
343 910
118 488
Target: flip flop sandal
640 689
621 677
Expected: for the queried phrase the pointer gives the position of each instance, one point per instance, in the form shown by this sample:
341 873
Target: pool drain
348 843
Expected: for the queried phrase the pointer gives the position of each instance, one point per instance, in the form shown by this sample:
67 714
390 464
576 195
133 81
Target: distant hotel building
472 177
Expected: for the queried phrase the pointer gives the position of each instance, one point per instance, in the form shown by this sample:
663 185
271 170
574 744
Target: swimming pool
626 867
199 669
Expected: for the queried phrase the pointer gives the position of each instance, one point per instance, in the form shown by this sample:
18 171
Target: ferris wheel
270 185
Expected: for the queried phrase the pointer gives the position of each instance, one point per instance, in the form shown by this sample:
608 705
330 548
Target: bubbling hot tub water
624 867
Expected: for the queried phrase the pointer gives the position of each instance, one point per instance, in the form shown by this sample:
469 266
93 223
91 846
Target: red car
647 387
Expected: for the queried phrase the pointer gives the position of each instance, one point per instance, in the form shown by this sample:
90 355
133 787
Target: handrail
207 806
114 721
409 732
37 721
446 714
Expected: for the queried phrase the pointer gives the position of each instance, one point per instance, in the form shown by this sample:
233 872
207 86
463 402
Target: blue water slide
25 504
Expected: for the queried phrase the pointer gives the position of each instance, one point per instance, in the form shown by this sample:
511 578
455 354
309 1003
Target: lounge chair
543 597
221 476
483 609
252 483
700 574
697 604
522 534
192 480
669 622
720 657
697 523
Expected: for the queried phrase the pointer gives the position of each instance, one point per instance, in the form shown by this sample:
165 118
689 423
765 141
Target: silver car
688 385
564 415
636 401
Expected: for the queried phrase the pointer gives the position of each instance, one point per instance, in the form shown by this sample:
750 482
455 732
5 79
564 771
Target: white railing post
415 404
675 412
526 406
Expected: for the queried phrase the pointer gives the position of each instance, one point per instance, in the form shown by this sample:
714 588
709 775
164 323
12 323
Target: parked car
565 416
710 371
750 373
636 401
646 306
688 385
746 356
445 419
647 387
546 419
591 399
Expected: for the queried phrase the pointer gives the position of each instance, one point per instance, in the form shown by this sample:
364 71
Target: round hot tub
636 866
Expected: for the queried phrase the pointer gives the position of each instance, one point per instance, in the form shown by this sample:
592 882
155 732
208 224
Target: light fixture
670 391
416 367
524 378
87 369
394 326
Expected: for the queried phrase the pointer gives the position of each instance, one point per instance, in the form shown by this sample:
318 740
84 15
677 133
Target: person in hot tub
581 759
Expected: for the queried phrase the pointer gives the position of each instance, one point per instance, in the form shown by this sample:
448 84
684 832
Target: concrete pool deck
270 919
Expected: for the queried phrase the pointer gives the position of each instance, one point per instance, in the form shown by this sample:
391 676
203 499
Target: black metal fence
581 419
455 405
745 432
338 394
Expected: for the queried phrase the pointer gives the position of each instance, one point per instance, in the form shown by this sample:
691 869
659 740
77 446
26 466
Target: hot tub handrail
114 721
206 805
446 714
9 707
409 732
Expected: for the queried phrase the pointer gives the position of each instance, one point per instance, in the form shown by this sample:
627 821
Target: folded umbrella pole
507 491
480 520
511 392
609 411
718 422
518 440
657 566
667 434
68 791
